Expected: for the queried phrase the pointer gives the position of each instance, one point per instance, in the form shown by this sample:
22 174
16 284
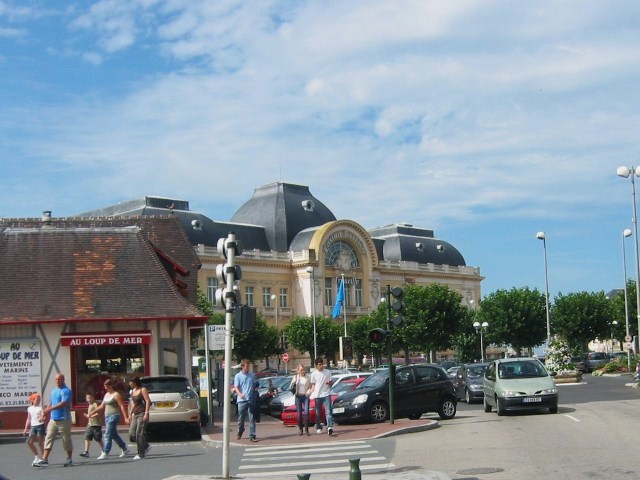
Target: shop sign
105 339
19 371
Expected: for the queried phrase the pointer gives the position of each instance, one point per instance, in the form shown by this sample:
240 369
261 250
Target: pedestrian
139 405
320 385
243 386
300 386
60 421
111 402
34 427
94 425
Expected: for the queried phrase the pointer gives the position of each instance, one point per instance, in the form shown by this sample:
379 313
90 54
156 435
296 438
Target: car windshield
522 369
374 380
341 387
476 371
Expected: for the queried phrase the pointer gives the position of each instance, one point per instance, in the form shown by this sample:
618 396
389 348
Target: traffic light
397 305
378 335
228 274
245 318
346 348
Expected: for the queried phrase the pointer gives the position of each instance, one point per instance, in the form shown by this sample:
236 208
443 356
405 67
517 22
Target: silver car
174 403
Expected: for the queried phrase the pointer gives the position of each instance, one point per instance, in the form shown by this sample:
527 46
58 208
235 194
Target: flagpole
344 306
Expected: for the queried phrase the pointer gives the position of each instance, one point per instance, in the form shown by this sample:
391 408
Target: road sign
216 336
628 338
285 357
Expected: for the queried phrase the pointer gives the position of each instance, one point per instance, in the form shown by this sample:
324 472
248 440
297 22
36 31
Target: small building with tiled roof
92 299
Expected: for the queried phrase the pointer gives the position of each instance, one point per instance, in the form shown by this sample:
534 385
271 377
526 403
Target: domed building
295 252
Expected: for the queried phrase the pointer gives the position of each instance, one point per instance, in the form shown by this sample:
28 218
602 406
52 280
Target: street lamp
613 325
311 271
479 328
632 172
542 236
626 233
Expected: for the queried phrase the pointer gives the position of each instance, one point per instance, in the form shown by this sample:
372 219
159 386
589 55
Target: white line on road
572 418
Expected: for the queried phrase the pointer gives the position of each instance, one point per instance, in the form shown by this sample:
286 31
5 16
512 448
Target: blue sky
486 121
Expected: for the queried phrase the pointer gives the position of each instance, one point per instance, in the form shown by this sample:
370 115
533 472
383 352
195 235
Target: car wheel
467 396
378 412
447 408
553 410
414 416
487 407
500 407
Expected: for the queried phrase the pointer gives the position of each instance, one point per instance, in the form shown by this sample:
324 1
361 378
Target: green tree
467 341
433 317
299 332
582 317
516 317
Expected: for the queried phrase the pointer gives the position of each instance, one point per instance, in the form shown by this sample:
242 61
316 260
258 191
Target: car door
405 391
460 382
488 384
429 387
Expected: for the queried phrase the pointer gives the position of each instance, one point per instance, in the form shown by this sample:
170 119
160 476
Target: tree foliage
516 317
581 317
299 333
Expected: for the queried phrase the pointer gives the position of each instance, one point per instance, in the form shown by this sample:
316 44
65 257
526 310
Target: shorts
38 431
93 432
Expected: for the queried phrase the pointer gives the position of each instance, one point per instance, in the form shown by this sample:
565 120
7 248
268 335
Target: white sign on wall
216 335
19 371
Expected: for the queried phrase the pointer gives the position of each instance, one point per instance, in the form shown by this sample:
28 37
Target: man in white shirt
321 382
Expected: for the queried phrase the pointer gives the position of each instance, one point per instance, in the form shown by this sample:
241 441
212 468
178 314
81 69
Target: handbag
294 386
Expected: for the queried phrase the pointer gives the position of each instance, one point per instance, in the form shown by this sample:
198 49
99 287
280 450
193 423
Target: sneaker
68 463
124 453
85 454
253 439
41 463
330 431
36 460
137 457
319 431
103 455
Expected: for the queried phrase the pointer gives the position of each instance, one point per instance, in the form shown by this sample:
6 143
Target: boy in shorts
35 426
94 426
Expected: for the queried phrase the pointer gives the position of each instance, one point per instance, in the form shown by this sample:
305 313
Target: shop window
95 364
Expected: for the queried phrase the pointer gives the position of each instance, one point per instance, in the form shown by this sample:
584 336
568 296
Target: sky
485 121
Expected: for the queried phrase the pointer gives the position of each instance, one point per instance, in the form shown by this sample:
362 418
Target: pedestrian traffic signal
377 335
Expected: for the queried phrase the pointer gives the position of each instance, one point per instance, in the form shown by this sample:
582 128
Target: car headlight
511 394
362 398
549 391
475 387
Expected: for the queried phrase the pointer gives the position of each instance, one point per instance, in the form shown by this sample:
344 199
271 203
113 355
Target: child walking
35 426
94 426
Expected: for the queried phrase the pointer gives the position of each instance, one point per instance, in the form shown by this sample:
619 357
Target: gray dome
283 210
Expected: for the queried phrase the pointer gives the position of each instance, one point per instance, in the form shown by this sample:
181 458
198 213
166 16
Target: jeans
138 430
111 433
302 402
327 411
243 410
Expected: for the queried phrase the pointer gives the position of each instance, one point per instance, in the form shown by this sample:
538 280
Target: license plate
338 410
165 404
532 399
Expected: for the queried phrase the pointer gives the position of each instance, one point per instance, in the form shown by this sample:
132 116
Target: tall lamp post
479 328
275 300
632 172
626 233
542 236
311 271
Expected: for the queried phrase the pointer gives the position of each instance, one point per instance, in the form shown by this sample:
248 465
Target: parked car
468 382
289 415
418 389
452 371
594 360
275 386
519 384
174 404
578 362
618 355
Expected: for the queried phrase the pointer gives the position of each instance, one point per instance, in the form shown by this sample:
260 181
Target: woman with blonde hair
299 387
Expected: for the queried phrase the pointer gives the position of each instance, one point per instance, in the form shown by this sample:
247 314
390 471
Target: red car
290 414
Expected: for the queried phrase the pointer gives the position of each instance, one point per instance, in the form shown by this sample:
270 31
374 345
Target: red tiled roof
71 273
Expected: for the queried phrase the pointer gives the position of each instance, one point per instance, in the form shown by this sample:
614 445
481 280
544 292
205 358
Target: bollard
354 471
304 476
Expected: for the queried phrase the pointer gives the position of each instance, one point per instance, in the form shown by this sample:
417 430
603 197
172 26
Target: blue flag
339 299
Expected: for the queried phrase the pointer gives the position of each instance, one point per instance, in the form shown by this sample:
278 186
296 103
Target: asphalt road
593 436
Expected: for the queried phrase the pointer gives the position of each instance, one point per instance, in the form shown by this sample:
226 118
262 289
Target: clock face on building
341 256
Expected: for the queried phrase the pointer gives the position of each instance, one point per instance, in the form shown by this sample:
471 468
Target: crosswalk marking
318 458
